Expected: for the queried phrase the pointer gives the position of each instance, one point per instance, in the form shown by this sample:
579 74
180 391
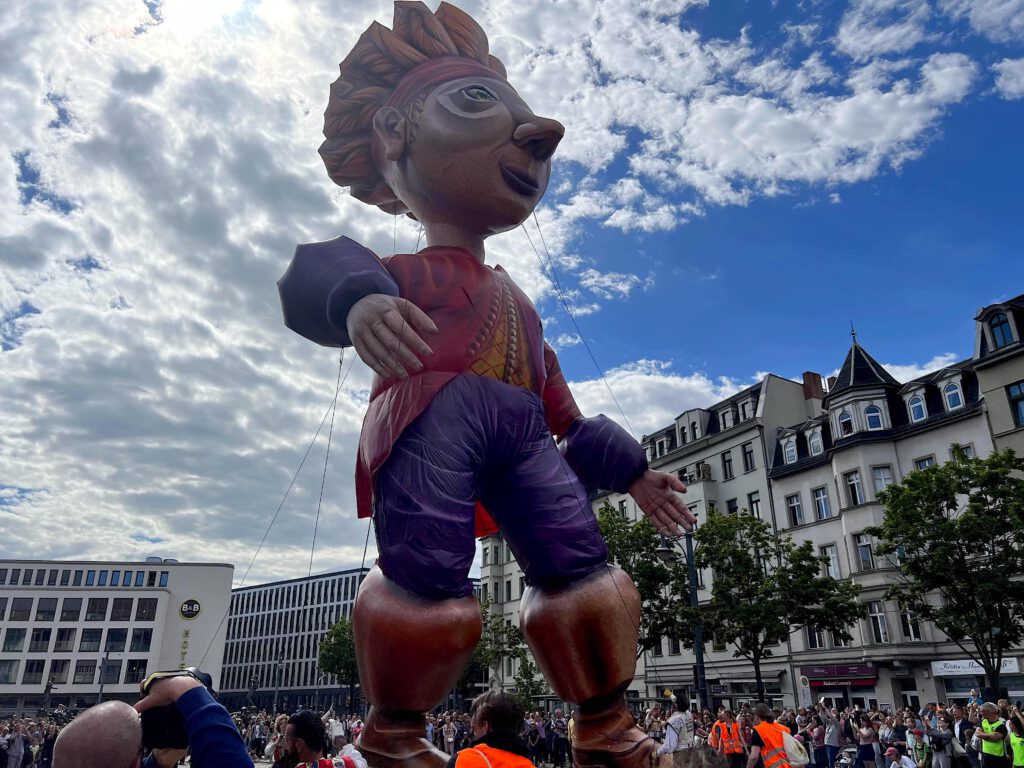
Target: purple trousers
481 439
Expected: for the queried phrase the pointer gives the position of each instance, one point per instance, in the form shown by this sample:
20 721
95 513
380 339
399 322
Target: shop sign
841 682
829 671
958 667
719 689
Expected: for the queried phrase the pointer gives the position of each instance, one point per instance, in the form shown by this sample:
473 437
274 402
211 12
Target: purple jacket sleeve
322 283
603 455
212 734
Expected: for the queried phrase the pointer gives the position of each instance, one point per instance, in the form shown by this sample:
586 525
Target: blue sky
739 182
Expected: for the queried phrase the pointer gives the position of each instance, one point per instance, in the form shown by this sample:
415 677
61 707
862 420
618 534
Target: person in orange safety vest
728 740
495 719
767 746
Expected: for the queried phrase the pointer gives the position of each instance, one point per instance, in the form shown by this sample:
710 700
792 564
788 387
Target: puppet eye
479 93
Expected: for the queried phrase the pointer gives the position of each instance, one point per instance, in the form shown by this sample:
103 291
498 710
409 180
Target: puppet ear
390 131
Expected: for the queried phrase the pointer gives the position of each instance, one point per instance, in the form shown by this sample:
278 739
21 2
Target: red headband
434 72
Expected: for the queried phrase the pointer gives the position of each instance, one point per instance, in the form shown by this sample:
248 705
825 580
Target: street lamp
667 555
103 668
319 682
277 679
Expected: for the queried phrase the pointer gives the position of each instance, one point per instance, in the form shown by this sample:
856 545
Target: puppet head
422 120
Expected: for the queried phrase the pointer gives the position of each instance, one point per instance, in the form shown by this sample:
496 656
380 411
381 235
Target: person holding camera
110 735
941 738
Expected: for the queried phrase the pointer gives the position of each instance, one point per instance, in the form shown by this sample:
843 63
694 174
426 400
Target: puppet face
476 157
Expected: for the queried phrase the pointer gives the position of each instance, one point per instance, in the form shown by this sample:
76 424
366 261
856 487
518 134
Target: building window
831 564
683 435
115 578
693 430
96 610
486 552
917 411
754 503
845 423
1015 394
748 457
14 640
865 553
85 672
967 448
46 609
40 641
873 415
732 506
881 477
33 674
3 576
163 578
814 444
146 610
483 590
77 581
854 489
111 671
924 463
139 576
40 577
8 672
821 505
127 579
911 626
121 610
136 671
838 641
59 671
27 578
622 509
65 640
90 640
790 450
52 578
71 609
1001 334
815 638
657 649
116 640
795 509
21 609
953 398
879 629
673 646
727 465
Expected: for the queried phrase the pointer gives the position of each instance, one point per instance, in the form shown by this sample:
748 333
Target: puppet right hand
385 330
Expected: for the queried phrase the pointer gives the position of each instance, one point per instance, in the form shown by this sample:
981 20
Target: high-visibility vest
484 756
715 737
994 748
773 753
732 744
1017 745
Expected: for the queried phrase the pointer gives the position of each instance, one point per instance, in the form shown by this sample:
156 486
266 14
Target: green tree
957 534
663 588
338 657
765 586
527 685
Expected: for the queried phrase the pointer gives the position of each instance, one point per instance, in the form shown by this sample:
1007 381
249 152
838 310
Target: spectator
495 719
992 734
306 738
895 760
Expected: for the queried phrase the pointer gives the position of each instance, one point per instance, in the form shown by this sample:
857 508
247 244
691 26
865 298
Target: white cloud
998 20
904 372
873 27
1010 78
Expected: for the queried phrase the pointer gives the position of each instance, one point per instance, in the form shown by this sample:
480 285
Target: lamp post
277 679
666 554
103 667
319 682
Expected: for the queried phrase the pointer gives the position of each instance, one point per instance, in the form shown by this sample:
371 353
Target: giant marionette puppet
459 439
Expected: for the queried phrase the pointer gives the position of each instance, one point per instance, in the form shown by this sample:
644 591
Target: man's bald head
108 735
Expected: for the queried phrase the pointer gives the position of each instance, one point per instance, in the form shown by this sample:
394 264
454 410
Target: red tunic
486 325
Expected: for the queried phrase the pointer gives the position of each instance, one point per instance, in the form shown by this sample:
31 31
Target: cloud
904 372
1010 78
874 27
998 20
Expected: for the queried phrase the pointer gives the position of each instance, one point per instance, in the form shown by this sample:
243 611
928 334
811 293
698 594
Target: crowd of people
24 742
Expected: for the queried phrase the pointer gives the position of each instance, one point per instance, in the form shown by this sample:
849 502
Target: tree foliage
663 586
764 586
957 534
338 657
527 685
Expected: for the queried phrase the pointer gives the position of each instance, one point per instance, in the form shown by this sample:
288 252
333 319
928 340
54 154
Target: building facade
999 364
273 641
73 630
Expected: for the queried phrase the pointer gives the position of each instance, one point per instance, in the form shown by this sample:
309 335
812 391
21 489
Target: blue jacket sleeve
603 455
212 735
322 283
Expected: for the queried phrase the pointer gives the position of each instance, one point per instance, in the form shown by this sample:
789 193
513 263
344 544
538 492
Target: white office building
72 630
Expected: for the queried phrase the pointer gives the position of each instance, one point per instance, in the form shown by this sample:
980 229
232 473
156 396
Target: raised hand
657 494
385 331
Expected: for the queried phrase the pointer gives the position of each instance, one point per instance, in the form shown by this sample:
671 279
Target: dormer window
727 420
682 435
814 444
917 411
953 397
745 410
873 415
1001 333
845 423
693 430
790 451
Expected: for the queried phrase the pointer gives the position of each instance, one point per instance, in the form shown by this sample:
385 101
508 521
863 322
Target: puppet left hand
657 494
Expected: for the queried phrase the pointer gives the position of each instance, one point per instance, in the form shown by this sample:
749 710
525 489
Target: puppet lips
520 181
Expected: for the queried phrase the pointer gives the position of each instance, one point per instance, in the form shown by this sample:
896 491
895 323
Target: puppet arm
339 294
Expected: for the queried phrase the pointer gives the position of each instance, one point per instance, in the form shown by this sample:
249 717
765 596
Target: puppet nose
539 136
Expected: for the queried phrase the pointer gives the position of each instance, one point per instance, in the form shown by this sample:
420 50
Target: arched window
874 417
917 412
682 435
693 430
952 394
814 444
1001 333
845 423
790 451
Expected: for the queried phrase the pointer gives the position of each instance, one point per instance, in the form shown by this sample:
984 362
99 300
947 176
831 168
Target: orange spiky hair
370 76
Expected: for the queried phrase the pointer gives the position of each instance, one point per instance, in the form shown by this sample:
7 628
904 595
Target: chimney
812 386
831 383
